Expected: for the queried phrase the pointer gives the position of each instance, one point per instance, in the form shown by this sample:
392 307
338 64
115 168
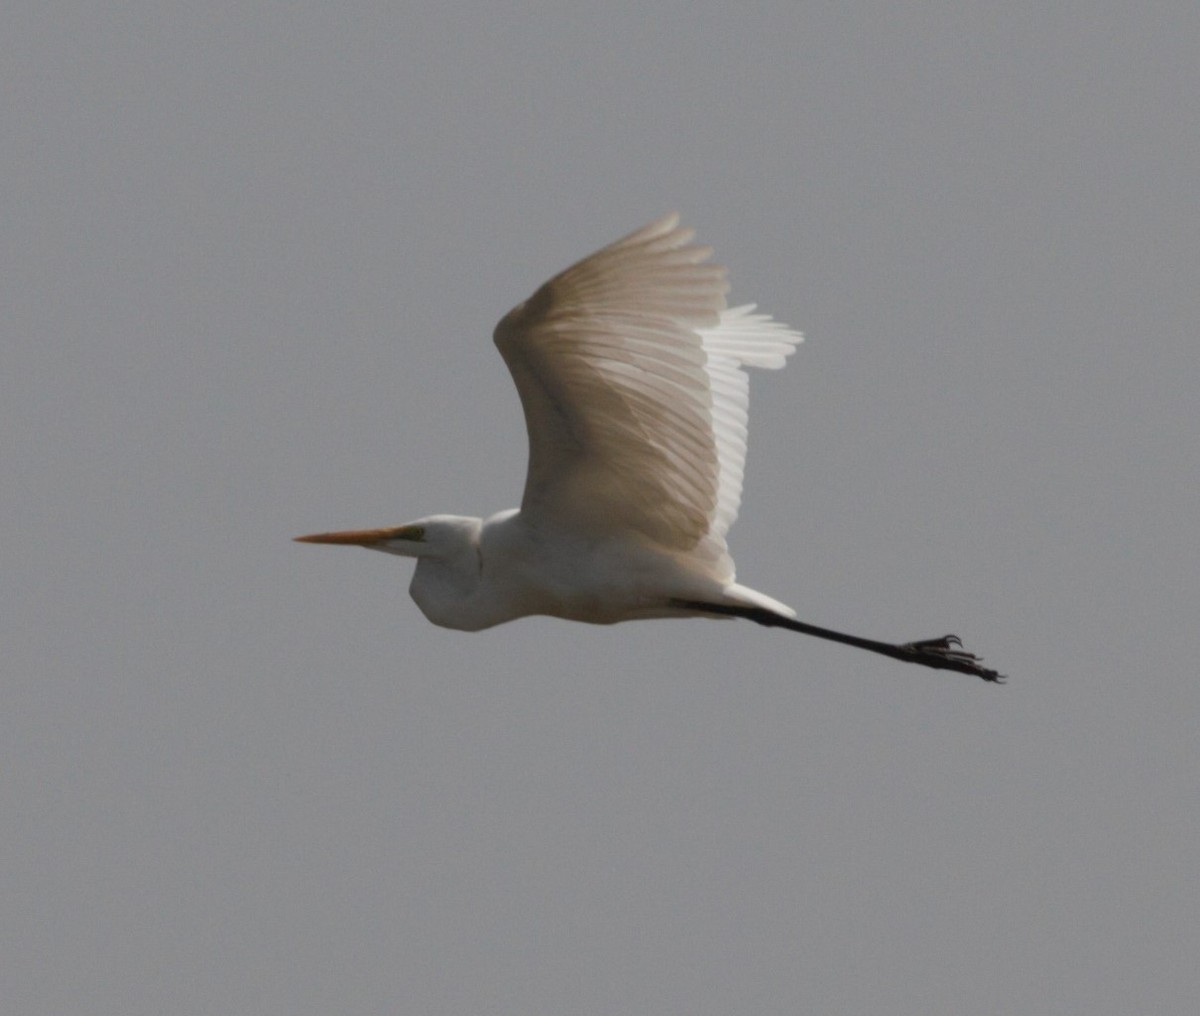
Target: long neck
447 580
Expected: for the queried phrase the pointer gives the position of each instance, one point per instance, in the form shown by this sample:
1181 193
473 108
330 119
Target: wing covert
627 365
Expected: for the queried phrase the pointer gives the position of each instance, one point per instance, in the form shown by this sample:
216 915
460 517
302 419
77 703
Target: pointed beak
351 537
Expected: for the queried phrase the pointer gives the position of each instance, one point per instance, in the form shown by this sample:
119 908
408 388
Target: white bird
629 367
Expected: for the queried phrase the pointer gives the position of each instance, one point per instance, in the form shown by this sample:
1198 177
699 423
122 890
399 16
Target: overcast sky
252 257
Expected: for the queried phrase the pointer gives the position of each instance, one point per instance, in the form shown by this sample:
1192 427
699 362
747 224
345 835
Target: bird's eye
415 532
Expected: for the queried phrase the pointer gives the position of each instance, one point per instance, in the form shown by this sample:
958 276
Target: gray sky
253 255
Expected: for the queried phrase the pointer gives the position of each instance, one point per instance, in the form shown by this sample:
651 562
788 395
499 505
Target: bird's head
444 536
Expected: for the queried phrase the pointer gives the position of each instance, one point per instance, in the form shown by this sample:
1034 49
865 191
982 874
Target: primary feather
629 368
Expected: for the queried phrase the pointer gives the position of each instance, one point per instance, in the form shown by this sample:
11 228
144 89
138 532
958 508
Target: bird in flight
629 365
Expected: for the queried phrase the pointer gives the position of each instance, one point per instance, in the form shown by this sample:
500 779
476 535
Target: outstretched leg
945 653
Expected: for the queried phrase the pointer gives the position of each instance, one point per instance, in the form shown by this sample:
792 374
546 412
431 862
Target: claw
936 645
939 653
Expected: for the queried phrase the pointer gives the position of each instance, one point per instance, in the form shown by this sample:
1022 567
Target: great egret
629 367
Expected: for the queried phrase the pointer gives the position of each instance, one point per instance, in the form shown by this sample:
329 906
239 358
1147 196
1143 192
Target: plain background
252 258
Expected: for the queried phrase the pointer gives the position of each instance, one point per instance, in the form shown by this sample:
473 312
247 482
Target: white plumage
630 369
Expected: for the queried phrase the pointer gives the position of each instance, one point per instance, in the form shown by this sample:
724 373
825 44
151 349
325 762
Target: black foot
947 653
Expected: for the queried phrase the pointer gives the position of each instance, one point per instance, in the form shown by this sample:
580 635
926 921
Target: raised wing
628 368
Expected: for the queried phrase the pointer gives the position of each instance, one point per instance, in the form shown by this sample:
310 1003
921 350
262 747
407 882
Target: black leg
945 653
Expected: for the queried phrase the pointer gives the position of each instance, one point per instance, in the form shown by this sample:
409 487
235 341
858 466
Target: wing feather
628 365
